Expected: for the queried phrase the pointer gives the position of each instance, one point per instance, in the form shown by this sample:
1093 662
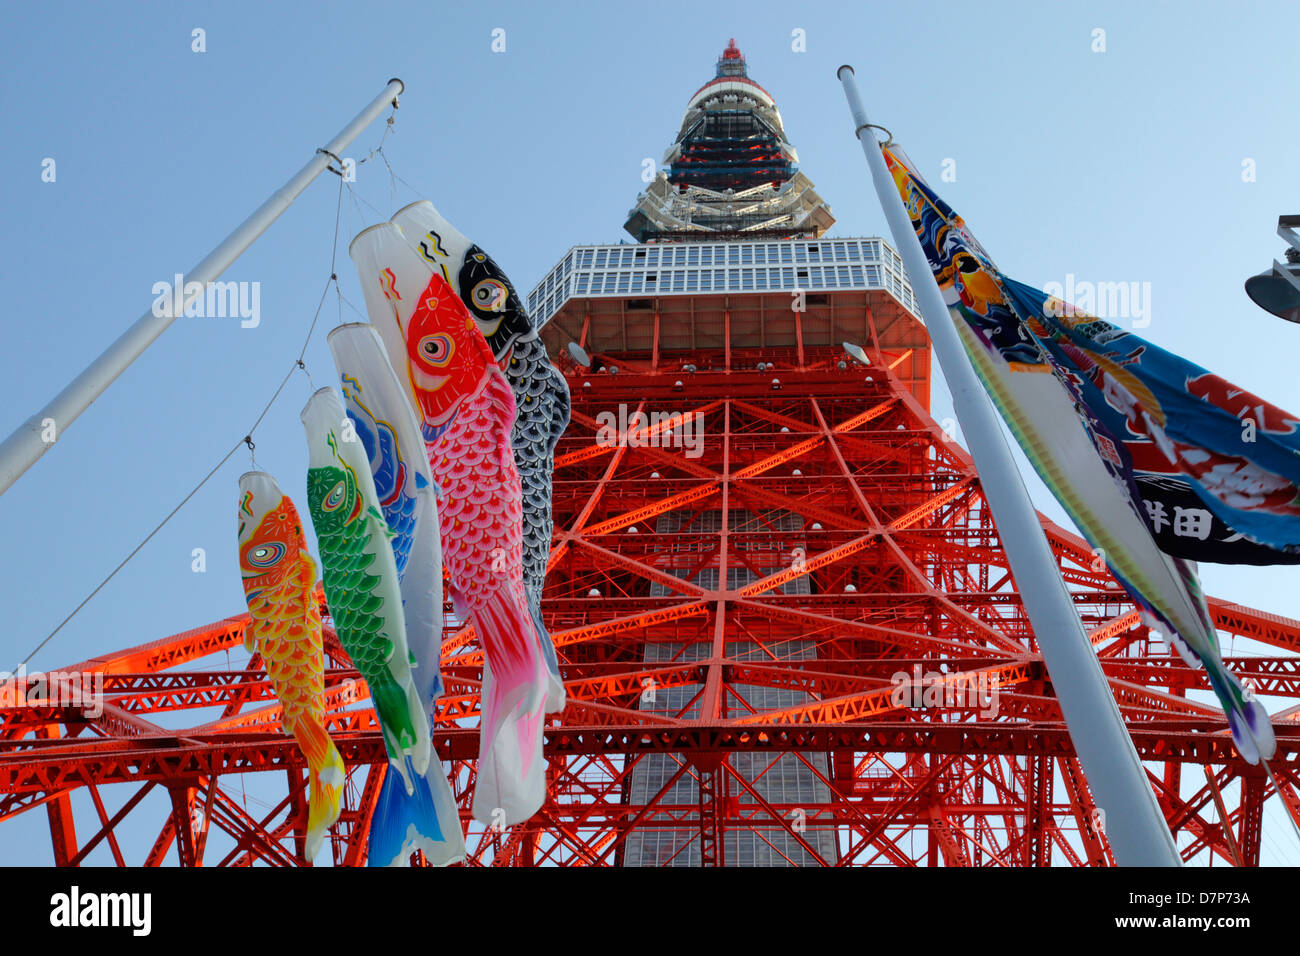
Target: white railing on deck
696 268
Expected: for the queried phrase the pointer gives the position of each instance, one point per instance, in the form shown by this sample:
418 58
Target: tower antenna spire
731 171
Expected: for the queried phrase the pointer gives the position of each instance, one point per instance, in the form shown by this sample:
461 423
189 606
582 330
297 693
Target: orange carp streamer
279 585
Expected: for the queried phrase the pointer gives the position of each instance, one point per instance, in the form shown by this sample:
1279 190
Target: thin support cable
348 302
247 440
357 196
384 157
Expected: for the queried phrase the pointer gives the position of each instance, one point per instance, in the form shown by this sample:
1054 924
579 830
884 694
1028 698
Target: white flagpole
1133 823
34 437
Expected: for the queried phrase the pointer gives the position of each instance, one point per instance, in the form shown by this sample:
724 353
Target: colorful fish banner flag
393 277
466 411
1070 447
1217 468
365 601
279 579
383 421
360 576
541 394
470 272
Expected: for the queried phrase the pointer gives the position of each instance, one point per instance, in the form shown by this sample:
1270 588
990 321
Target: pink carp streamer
467 411
482 533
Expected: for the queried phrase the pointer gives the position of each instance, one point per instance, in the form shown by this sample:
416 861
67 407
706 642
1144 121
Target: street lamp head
1277 290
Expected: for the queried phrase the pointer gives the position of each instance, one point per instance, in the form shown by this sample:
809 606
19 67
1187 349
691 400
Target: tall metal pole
34 437
1133 823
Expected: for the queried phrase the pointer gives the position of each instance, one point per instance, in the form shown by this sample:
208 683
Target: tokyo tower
785 620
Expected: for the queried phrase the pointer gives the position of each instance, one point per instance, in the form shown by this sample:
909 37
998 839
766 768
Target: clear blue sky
1117 166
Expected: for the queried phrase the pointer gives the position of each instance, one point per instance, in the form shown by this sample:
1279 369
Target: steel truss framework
905 574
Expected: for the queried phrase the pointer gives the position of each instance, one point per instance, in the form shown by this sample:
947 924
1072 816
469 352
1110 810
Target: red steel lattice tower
786 623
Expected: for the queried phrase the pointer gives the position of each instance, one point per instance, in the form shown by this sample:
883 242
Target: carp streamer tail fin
511 780
326 773
425 820
405 726
555 694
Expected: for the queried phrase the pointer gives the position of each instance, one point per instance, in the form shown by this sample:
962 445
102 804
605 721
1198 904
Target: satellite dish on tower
578 355
856 353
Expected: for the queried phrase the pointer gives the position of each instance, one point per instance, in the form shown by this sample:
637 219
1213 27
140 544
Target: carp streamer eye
436 349
335 497
489 295
266 555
